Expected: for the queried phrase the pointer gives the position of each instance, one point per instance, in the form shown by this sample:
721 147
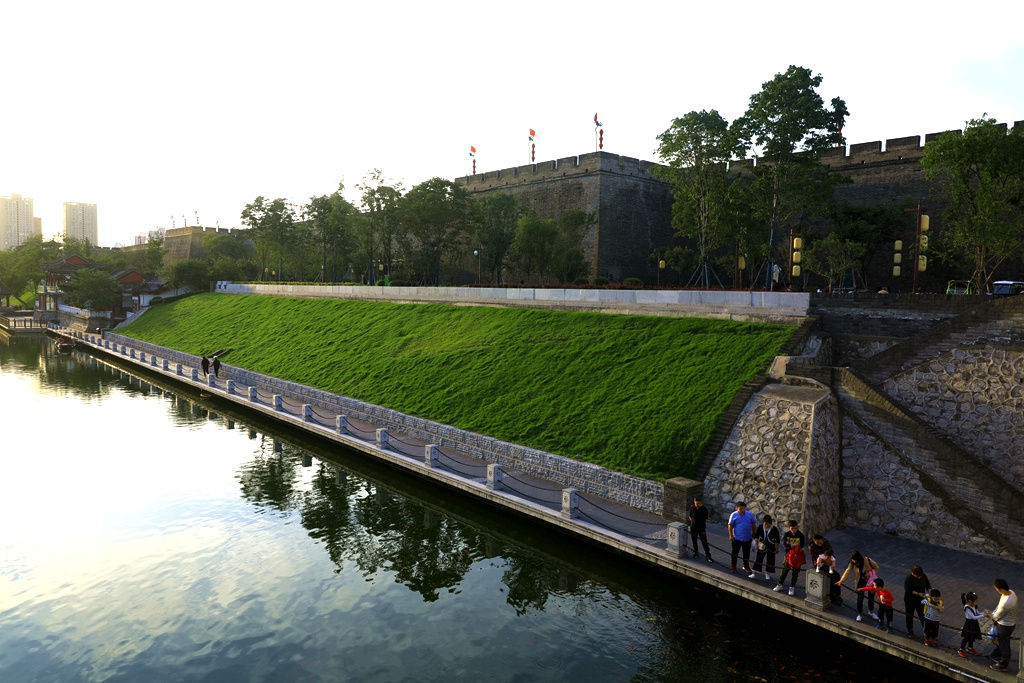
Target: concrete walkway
644 535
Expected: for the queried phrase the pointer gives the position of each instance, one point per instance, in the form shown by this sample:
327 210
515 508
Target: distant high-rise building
80 221
17 221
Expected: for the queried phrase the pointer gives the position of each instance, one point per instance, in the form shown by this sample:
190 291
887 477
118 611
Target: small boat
66 345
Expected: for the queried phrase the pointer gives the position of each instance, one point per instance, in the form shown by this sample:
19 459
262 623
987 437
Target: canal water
150 535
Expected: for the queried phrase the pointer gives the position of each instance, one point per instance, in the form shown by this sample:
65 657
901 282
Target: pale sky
160 109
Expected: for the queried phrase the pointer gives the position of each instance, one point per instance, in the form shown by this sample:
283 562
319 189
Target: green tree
378 232
331 218
875 227
832 257
535 242
568 261
93 289
191 273
436 216
981 176
20 268
788 124
271 224
499 217
697 149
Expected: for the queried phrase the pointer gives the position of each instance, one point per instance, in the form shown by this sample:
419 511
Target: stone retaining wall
782 458
640 493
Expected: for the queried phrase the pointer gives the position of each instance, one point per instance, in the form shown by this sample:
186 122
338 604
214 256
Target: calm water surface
151 536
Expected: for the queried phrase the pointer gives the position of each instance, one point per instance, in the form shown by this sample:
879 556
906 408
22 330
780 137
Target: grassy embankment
636 394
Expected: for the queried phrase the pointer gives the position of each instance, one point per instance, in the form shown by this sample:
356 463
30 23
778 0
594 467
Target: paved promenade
644 535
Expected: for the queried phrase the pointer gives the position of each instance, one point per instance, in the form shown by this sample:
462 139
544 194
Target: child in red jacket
885 603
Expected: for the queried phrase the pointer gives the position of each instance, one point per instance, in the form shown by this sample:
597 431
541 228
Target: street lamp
476 252
661 267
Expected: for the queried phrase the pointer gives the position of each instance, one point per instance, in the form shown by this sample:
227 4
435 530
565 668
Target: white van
1007 287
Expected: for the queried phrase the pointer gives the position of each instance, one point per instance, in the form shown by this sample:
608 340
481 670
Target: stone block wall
782 458
881 493
975 398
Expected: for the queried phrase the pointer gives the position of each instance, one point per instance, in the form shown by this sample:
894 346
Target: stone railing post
341 424
430 453
231 387
211 380
167 365
142 356
818 590
382 438
278 401
195 374
494 475
307 412
570 503
253 394
676 540
177 369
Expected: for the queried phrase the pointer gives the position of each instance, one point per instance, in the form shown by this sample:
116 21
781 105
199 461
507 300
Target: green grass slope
636 394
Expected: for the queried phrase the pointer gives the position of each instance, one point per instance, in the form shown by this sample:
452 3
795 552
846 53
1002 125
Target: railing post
494 475
430 454
382 438
195 374
132 354
341 424
231 387
177 369
570 503
211 380
142 356
278 400
307 412
166 364
253 394
818 585
676 539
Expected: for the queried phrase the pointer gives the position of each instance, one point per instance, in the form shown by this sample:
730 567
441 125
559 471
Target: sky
162 113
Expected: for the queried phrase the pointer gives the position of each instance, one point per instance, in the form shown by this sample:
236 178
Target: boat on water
66 344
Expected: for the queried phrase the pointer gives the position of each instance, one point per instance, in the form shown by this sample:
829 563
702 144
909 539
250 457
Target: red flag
532 133
472 150
595 118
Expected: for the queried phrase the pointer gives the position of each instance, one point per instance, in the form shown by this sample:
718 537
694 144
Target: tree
271 225
981 176
534 244
872 226
788 123
378 232
499 217
832 257
191 273
697 149
93 289
568 261
331 218
436 217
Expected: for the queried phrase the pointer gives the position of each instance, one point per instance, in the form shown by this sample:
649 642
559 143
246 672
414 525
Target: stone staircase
999 321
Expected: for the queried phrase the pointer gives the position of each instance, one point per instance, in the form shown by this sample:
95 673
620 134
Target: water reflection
179 539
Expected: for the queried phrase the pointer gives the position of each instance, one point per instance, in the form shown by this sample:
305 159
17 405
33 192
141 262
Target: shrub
581 281
633 282
601 281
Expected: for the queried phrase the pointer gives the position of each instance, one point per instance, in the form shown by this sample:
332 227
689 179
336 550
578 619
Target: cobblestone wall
782 458
975 398
883 494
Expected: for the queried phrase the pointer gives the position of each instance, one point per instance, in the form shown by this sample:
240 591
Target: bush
633 282
601 281
400 283
156 300
581 281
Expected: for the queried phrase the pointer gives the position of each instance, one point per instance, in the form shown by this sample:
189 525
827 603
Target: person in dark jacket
915 589
767 538
216 366
698 521
205 365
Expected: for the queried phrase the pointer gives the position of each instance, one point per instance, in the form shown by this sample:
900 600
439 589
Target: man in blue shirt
742 526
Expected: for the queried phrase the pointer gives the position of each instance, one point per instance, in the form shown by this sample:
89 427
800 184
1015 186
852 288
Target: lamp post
476 252
661 267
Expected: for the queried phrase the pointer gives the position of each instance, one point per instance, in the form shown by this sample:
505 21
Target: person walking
865 571
216 365
767 537
742 525
698 522
915 589
793 542
205 363
1005 618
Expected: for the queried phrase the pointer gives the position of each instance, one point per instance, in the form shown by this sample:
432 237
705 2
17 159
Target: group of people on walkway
921 601
205 363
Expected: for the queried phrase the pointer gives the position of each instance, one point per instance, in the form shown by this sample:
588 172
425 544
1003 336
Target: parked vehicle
959 287
1007 287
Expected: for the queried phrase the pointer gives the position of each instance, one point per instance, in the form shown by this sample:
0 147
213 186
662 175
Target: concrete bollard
430 455
382 438
142 356
818 590
341 424
494 474
278 401
195 375
307 412
166 365
132 354
106 343
231 387
124 350
177 369
211 381
676 540
253 394
152 361
570 503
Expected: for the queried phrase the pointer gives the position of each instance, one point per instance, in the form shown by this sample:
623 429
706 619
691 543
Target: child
932 611
826 564
795 559
767 538
972 629
885 603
